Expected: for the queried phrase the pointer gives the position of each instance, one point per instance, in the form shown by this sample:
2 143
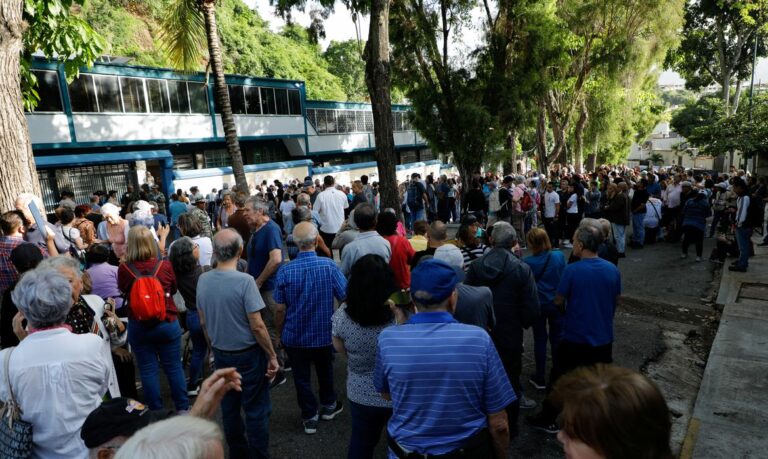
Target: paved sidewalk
730 418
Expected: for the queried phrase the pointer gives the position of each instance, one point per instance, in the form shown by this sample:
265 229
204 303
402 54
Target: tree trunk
378 80
592 158
17 168
541 140
222 95
512 139
579 137
736 98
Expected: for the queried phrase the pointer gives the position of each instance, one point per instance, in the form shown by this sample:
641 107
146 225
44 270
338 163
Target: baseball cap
432 281
452 256
118 417
308 183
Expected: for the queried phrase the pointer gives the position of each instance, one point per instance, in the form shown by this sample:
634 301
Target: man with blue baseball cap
446 381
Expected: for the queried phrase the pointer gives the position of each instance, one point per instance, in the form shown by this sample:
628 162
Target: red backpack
526 203
146 296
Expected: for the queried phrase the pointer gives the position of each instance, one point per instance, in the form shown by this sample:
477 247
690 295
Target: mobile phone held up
38 217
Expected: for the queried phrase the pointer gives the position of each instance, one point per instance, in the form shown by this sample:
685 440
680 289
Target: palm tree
186 24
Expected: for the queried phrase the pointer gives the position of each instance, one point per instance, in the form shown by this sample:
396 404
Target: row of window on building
343 121
90 93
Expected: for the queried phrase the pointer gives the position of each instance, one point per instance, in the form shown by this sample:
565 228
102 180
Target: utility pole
752 84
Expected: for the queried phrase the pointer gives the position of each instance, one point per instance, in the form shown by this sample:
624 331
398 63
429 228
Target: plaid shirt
307 286
8 273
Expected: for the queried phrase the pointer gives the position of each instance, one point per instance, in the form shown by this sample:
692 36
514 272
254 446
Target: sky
339 27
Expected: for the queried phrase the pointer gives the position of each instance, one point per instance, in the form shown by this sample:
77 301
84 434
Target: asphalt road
663 306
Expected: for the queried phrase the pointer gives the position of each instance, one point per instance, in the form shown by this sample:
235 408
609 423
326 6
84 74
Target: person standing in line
356 326
305 290
572 216
547 266
367 241
198 213
265 255
638 206
175 209
743 226
695 213
330 205
588 295
550 212
416 199
449 390
617 212
229 307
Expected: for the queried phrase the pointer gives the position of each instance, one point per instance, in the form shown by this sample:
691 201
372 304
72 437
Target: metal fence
83 181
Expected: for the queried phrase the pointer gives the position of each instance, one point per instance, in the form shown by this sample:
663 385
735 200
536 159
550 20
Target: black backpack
415 196
755 212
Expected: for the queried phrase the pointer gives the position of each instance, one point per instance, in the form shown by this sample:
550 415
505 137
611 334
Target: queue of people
274 284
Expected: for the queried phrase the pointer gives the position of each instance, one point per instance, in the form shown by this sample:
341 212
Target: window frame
58 89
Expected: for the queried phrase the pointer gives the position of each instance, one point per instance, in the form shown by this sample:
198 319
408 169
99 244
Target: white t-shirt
330 205
205 248
551 200
286 207
652 213
573 205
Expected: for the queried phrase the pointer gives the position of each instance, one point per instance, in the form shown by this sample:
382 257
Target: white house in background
671 146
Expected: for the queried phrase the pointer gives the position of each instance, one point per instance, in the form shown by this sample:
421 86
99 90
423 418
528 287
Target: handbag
15 434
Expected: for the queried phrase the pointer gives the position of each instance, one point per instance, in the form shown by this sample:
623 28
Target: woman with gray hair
56 377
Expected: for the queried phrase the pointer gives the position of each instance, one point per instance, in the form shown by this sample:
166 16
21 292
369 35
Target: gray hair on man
590 237
503 235
305 235
61 261
44 296
227 245
257 204
187 437
303 200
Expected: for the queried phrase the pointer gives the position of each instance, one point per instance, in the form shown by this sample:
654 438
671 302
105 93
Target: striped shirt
444 378
307 286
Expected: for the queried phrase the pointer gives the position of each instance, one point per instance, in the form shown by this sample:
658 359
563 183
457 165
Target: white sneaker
567 245
698 259
527 403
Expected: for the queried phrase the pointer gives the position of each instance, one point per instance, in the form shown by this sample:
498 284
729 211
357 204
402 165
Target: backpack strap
157 268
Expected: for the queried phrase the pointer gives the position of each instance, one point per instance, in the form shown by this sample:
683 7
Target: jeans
417 216
638 229
619 237
744 239
367 424
512 359
268 315
155 346
249 440
302 359
549 316
288 225
550 226
199 346
717 215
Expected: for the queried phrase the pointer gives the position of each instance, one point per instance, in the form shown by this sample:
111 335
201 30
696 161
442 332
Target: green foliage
677 97
346 62
696 114
133 29
54 31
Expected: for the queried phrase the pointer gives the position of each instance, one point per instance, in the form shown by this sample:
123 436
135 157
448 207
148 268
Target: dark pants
302 359
744 240
199 346
126 377
717 215
550 226
367 424
567 357
328 239
546 328
572 222
249 440
693 235
511 358
452 209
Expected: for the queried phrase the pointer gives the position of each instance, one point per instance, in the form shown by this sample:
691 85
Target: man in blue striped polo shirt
448 387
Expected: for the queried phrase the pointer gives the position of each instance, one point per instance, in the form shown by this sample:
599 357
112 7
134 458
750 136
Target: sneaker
698 259
310 426
545 425
527 403
193 390
278 380
567 245
683 256
327 413
287 365
538 384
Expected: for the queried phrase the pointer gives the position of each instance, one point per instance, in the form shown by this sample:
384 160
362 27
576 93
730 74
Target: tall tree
378 79
345 60
186 26
27 26
717 45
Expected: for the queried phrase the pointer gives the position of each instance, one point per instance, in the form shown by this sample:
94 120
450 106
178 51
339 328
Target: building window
269 152
237 99
294 101
177 92
330 121
268 101
312 117
49 91
252 100
133 95
322 122
108 94
82 94
410 156
426 155
198 97
217 158
281 98
158 96
368 121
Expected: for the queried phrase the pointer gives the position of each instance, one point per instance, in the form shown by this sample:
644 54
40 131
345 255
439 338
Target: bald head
305 236
437 234
227 245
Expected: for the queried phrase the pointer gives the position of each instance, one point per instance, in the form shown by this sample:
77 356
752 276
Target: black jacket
515 300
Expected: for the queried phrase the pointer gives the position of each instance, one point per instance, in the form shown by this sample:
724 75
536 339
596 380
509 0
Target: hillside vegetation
131 28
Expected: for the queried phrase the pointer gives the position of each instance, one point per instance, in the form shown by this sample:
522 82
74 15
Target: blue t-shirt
590 288
176 209
547 275
444 377
263 241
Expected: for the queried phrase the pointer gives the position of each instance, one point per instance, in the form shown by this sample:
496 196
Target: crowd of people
250 286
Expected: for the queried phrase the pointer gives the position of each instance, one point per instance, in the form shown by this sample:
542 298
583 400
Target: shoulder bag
15 434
